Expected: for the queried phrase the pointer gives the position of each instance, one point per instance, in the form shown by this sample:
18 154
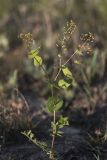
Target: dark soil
82 140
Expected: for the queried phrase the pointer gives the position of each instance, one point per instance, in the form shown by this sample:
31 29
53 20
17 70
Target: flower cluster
88 37
67 35
86 40
27 38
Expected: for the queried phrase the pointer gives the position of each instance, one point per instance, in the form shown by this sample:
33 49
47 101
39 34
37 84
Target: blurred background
22 88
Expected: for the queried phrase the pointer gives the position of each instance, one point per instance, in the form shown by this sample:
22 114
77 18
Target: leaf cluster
56 127
32 138
37 59
67 80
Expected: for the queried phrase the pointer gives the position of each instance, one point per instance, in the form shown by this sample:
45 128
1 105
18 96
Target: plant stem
74 53
53 135
57 74
59 69
70 58
54 120
53 140
54 117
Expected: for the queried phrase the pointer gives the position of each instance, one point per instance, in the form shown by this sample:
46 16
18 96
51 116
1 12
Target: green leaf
13 79
60 133
31 136
74 83
54 104
63 84
79 52
77 62
37 61
33 53
28 132
66 72
63 121
94 60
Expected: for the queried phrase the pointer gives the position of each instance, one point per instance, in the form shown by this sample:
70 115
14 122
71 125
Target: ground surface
81 140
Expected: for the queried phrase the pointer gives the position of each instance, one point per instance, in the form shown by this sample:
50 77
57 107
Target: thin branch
59 69
74 53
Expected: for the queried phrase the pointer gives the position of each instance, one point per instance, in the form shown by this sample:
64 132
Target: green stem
53 135
59 69
53 140
74 53
54 117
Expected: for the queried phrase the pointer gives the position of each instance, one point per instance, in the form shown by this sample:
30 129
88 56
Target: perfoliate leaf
54 104
66 72
79 52
33 53
63 84
77 62
37 61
